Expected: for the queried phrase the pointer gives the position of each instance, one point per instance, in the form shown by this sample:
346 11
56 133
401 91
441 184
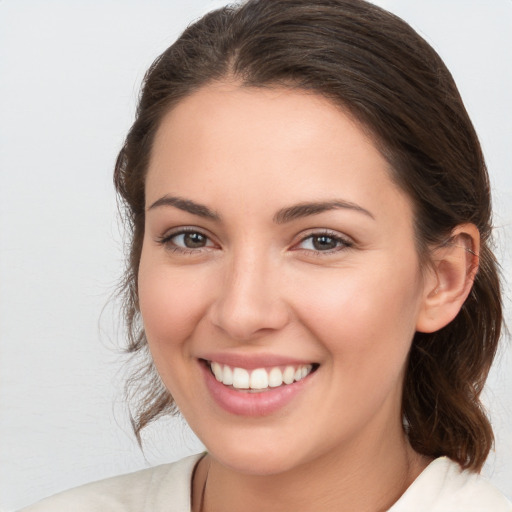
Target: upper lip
251 362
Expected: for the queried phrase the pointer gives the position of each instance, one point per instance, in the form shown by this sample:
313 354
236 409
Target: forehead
225 117
266 142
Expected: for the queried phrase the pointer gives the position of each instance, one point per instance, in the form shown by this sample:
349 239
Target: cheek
357 312
366 325
170 304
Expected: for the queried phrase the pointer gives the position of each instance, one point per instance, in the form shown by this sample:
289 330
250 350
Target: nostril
245 320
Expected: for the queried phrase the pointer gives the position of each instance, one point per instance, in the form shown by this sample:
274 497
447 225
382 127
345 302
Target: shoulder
444 487
148 490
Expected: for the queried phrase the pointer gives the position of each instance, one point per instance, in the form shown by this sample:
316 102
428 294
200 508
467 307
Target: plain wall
69 77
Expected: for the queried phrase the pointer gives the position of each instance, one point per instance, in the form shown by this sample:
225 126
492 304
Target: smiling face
280 256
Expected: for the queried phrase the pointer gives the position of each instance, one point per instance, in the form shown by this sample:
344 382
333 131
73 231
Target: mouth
259 380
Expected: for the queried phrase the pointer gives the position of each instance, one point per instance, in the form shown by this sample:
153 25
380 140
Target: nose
249 303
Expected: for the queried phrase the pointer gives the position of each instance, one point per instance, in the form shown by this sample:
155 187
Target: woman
310 268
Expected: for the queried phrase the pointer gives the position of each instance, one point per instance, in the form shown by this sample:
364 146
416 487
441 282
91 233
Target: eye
323 242
186 240
190 240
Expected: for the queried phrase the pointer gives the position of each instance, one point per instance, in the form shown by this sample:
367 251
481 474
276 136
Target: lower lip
244 403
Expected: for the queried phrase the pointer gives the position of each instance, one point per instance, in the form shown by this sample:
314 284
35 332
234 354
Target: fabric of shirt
441 487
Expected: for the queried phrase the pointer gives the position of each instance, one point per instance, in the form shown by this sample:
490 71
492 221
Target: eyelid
180 230
345 240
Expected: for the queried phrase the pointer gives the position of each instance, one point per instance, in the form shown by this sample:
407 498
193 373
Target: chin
255 462
255 454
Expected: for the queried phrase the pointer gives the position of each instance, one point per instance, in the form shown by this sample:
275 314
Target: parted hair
377 68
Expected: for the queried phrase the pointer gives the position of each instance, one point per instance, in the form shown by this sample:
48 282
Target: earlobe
449 281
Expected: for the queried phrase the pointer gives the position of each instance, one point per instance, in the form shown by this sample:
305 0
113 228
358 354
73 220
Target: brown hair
379 69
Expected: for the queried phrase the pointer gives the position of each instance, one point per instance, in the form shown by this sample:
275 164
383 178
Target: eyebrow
186 205
281 217
305 209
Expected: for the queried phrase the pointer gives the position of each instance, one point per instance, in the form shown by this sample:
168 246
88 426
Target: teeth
275 378
217 371
288 374
227 376
240 378
260 378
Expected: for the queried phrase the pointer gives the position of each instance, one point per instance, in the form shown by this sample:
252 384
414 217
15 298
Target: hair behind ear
447 369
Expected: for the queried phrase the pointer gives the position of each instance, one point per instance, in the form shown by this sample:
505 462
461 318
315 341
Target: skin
258 286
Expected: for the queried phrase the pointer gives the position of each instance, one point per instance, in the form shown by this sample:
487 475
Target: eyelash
342 243
167 241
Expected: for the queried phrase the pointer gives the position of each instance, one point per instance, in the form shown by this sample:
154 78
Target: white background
69 77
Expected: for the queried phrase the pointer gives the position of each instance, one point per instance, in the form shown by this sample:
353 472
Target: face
279 282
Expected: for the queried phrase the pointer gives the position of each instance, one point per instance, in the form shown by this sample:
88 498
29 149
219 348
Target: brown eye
187 240
324 242
193 240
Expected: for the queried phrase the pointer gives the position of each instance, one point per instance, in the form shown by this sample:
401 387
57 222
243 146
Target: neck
367 477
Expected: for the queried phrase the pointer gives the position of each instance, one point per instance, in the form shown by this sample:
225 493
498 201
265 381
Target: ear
449 281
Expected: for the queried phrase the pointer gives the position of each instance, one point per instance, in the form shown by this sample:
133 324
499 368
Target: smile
259 379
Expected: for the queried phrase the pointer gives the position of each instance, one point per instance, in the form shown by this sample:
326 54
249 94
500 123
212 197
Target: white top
441 487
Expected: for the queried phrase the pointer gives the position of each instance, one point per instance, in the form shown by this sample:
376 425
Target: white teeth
227 378
275 378
288 374
217 371
260 378
240 378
